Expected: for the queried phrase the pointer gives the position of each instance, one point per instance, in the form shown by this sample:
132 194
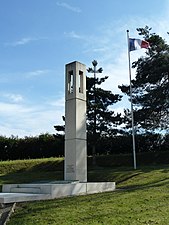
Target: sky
37 39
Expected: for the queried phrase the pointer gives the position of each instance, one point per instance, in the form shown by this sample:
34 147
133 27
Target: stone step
22 197
32 190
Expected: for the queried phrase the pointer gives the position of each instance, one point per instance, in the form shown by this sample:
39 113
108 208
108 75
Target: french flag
135 44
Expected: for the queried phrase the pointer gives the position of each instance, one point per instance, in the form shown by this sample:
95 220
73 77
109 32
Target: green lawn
142 197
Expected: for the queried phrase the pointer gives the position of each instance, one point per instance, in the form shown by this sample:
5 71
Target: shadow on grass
45 166
132 188
130 179
148 178
42 172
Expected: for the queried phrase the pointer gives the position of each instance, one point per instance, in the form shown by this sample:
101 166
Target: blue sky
37 39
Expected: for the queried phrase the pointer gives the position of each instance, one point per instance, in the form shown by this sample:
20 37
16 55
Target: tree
101 120
150 88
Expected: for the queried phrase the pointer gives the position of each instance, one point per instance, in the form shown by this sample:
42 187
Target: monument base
43 191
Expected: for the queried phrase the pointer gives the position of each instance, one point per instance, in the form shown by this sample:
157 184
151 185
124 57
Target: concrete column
75 167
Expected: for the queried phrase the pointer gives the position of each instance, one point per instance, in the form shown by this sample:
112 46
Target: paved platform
43 191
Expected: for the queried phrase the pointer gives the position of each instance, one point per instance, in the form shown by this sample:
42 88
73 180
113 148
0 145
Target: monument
75 167
75 122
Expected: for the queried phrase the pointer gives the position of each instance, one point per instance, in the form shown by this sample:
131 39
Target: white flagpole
132 116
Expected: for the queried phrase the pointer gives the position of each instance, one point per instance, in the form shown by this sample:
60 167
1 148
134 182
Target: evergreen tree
107 120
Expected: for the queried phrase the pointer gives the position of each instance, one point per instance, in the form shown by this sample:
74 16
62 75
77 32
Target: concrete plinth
32 192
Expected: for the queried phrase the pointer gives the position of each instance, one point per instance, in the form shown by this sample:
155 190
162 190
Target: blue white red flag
135 44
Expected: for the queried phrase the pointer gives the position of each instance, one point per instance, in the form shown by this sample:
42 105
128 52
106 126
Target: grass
142 197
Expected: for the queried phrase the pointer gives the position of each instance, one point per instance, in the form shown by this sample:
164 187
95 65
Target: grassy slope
142 198
23 171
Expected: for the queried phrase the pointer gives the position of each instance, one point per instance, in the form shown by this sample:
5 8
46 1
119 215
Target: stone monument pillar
75 167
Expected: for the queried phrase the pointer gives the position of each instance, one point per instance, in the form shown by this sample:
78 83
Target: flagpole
131 100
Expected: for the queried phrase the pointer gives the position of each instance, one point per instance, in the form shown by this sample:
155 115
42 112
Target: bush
46 145
42 146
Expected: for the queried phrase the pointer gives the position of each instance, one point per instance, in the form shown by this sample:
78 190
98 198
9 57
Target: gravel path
5 212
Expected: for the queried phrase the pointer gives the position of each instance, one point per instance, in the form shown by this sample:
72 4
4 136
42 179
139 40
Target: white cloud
74 35
69 7
14 97
25 120
58 103
37 73
7 109
23 41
